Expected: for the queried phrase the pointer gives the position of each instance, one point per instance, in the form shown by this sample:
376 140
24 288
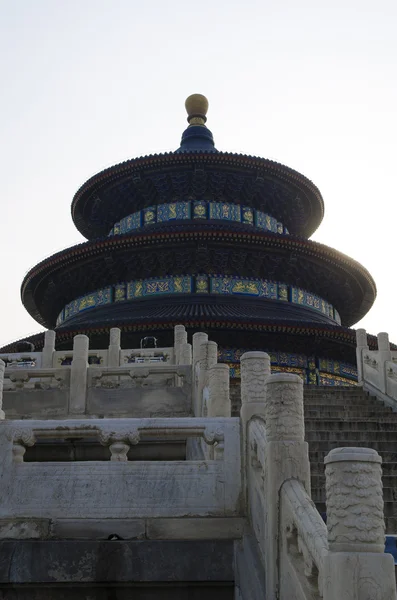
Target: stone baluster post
78 375
255 369
186 354
180 338
384 354
208 359
218 400
286 455
114 347
47 355
198 340
356 566
2 369
362 345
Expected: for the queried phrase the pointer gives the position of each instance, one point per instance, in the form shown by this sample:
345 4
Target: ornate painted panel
247 215
157 287
97 298
225 211
173 211
199 284
304 298
149 215
197 209
249 287
200 209
336 367
120 292
334 380
202 284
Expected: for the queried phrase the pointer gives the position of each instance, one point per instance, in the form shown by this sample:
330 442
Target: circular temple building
212 240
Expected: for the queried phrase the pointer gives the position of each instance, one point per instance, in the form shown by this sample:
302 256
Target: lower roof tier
209 249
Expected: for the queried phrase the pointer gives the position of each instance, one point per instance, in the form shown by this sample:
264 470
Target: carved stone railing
211 381
377 369
119 487
139 375
303 543
302 558
36 379
272 414
77 372
113 356
346 558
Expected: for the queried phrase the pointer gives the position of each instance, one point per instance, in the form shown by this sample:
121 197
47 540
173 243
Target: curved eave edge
172 159
292 243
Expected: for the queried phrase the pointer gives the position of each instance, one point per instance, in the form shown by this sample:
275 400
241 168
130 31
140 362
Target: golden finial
196 107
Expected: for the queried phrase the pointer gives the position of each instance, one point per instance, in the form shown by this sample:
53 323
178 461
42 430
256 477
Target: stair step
344 402
340 413
358 425
369 436
351 400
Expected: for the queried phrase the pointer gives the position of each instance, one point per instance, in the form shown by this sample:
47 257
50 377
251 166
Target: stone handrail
301 557
126 431
167 488
303 538
377 369
20 378
78 376
211 381
139 372
113 356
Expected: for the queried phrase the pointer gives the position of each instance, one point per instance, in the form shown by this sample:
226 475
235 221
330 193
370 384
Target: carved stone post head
284 408
353 486
115 336
80 346
49 339
255 368
361 338
198 339
185 355
383 341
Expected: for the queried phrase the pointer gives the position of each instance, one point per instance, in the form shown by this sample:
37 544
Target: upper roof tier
197 170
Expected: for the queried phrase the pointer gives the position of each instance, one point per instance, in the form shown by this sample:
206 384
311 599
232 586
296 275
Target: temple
198 419
215 241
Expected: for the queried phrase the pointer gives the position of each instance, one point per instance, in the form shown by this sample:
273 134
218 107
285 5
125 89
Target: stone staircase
346 416
336 417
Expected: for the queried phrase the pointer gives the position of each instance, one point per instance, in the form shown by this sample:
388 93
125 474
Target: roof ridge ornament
197 137
196 107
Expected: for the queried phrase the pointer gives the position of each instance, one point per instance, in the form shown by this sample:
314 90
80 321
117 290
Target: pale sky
89 83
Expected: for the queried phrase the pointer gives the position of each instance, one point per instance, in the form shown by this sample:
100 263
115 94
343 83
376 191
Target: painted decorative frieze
198 209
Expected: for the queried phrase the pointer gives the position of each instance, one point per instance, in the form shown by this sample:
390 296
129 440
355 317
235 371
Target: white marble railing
190 376
303 559
303 543
377 369
44 379
76 372
113 356
121 488
211 387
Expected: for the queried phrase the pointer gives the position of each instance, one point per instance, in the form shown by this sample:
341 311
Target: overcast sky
89 83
